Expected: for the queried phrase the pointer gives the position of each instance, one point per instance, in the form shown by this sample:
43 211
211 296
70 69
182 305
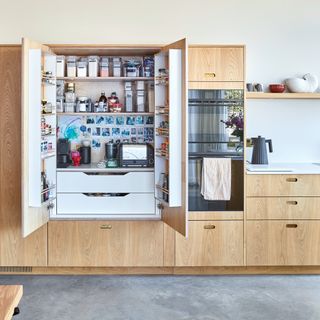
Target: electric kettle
259 153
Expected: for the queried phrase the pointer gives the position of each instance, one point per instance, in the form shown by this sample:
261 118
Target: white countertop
93 167
284 168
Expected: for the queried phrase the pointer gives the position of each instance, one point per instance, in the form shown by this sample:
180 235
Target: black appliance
259 153
136 155
63 153
85 153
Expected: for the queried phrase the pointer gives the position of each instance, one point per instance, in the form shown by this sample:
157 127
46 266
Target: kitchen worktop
93 167
284 168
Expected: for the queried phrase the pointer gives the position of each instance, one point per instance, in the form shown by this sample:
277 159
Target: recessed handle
210 74
101 194
209 226
293 203
105 173
292 179
106 226
291 225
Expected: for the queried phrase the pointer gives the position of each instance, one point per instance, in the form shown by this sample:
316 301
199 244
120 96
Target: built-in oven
215 131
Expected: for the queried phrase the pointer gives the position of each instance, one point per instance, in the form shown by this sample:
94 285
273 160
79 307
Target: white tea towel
216 179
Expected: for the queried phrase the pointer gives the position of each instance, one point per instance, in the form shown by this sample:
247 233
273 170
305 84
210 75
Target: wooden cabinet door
14 250
35 212
283 243
105 243
265 185
173 94
211 243
216 64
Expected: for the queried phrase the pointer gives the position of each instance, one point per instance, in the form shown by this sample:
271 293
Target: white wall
282 39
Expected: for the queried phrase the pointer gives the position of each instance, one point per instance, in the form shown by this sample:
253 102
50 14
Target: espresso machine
111 154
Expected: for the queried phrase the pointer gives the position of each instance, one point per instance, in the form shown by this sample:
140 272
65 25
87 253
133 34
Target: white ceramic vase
308 83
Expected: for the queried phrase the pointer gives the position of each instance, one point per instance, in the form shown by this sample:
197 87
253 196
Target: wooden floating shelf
105 113
285 95
104 79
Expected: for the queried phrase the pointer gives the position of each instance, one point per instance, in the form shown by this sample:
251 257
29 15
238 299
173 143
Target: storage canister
104 67
60 66
116 67
93 62
82 69
71 66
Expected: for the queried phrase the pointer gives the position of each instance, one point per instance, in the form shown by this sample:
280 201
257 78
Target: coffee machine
111 154
63 153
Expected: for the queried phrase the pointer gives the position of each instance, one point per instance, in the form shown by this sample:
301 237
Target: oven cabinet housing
103 194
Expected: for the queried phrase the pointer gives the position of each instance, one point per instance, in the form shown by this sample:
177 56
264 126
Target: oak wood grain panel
283 242
218 85
215 215
282 185
10 297
105 243
14 250
216 64
168 245
281 208
211 243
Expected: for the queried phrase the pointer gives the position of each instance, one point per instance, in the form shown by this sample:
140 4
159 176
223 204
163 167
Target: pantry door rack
36 60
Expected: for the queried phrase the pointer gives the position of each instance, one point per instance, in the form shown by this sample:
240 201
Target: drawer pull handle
294 203
292 179
210 74
106 226
291 225
105 173
100 195
209 226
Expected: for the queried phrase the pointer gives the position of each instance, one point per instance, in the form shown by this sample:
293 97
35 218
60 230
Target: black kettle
259 153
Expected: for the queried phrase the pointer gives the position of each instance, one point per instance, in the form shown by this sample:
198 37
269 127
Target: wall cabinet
208 64
211 243
105 243
284 242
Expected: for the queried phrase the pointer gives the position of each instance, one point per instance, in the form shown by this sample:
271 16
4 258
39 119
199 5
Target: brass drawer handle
210 74
291 225
294 203
106 226
209 226
292 179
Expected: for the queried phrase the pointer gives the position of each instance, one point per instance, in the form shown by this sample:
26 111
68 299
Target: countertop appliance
136 155
111 155
259 153
63 153
85 153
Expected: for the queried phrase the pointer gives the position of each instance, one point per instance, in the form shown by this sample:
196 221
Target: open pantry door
171 138
38 159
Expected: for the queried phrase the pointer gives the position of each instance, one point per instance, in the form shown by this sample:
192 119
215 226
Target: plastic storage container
93 64
140 100
71 66
116 67
61 64
104 67
82 69
69 107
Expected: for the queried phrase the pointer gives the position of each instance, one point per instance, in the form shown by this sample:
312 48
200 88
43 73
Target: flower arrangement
235 122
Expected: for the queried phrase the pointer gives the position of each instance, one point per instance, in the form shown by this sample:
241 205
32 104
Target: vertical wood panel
14 250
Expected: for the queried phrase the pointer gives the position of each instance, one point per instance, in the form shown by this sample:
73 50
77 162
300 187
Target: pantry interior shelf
285 95
104 79
105 113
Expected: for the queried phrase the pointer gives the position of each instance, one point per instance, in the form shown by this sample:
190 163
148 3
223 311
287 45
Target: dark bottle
103 98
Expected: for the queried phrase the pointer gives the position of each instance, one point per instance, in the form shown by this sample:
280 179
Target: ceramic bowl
277 88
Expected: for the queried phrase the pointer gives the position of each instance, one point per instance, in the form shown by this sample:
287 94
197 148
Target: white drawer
105 182
84 203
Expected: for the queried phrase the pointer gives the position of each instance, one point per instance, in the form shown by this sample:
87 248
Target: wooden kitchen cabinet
282 208
105 243
283 185
211 243
283 243
216 64
14 249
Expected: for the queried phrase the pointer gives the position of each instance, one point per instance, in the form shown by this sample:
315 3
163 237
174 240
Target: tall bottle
102 103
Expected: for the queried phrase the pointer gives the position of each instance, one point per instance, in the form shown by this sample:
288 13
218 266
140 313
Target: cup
258 87
250 87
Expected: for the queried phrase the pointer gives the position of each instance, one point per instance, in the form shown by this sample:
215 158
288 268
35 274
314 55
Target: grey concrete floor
168 297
